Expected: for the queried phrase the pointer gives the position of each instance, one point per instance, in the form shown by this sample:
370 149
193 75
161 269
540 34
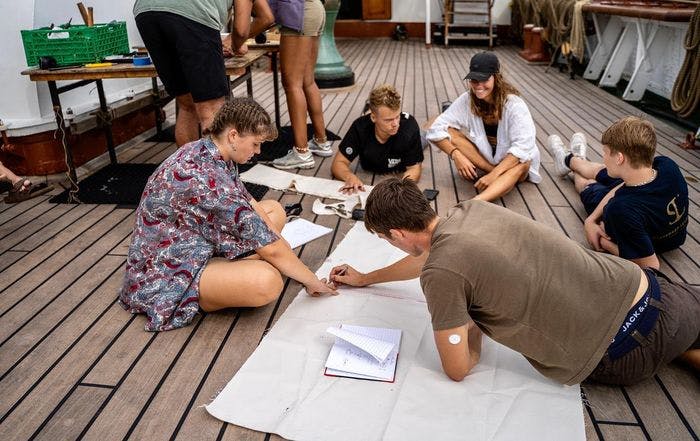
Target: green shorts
314 20
677 330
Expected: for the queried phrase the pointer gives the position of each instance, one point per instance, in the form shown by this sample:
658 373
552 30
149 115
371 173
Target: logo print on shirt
672 210
348 150
394 162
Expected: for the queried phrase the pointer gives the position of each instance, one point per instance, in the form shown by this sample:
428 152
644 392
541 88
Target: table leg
58 113
106 121
276 87
156 105
249 81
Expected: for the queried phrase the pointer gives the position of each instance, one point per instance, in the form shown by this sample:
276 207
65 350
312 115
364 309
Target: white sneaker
294 159
320 149
578 145
558 151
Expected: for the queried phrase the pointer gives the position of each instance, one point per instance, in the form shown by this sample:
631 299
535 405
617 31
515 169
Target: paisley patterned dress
194 207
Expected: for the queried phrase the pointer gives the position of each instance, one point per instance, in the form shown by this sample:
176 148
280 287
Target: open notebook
364 352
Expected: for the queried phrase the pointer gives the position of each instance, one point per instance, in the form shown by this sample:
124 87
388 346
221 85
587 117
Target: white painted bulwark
664 70
25 106
621 55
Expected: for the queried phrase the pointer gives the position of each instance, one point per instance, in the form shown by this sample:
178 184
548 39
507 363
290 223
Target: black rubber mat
122 185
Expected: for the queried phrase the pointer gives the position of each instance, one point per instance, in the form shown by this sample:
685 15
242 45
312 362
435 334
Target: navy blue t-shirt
651 218
398 152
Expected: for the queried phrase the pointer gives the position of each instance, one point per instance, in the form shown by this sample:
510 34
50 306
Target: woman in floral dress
200 239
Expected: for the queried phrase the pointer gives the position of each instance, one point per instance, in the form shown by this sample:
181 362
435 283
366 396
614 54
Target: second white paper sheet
300 231
281 388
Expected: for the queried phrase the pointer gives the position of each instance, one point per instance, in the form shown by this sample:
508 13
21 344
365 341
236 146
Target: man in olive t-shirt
572 312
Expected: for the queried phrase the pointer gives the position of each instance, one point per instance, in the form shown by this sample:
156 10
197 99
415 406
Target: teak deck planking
74 365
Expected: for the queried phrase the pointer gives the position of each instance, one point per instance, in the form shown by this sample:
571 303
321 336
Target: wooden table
87 76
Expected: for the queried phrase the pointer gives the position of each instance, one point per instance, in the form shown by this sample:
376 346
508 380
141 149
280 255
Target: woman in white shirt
488 132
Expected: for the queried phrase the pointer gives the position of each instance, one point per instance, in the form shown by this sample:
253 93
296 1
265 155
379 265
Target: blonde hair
634 137
385 95
246 116
501 90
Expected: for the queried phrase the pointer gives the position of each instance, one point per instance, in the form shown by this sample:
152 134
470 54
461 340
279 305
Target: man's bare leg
206 110
190 115
585 168
585 172
187 122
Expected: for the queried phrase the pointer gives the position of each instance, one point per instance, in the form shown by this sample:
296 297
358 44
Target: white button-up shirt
516 132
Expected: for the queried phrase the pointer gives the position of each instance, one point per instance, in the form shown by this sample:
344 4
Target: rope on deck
685 96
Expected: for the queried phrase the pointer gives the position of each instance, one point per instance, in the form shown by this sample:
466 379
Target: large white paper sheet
282 180
503 399
282 389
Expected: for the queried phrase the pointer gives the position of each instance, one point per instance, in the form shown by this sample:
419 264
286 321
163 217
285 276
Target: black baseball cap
482 66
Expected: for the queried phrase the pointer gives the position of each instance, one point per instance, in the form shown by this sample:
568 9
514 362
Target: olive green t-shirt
211 13
527 287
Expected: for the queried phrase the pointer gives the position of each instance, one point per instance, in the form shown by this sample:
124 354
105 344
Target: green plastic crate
77 44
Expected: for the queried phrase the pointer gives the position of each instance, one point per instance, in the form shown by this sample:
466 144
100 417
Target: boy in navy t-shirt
386 141
637 204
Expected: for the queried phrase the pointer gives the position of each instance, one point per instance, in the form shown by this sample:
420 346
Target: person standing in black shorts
184 41
386 140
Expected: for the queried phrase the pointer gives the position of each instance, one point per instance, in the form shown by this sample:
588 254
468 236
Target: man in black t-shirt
637 204
386 141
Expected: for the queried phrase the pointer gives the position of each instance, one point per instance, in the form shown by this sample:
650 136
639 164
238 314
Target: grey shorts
677 330
314 20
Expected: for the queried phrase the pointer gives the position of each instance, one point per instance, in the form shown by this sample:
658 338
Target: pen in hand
341 272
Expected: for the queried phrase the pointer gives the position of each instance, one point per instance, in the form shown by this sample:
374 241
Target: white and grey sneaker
578 145
320 148
558 151
294 159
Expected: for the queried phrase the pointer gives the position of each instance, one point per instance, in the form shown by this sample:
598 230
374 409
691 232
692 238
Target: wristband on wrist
452 152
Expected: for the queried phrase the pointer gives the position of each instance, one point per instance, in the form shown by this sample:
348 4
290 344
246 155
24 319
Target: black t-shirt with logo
398 152
650 218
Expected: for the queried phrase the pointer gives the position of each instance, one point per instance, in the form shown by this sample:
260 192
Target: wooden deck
74 365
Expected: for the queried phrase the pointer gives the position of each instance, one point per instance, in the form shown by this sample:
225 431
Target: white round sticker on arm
454 339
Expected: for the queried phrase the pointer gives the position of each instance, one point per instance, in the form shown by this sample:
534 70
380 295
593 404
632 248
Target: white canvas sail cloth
282 180
281 388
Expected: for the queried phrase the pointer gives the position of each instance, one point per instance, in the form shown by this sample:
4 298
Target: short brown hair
397 204
246 116
634 137
385 95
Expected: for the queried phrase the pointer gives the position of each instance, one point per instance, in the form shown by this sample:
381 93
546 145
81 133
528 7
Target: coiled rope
685 96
